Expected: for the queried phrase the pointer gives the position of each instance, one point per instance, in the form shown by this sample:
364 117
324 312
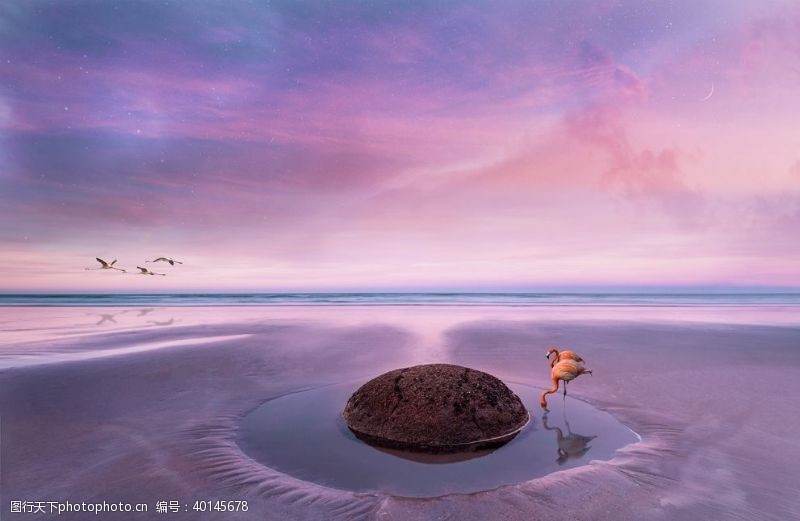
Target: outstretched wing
160 259
113 262
143 270
102 262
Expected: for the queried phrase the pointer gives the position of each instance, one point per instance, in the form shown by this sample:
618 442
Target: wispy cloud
304 145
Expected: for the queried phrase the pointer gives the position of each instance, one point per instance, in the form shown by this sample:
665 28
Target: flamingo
563 355
145 271
172 262
565 370
106 265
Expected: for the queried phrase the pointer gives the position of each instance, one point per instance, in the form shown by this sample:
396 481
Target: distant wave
405 299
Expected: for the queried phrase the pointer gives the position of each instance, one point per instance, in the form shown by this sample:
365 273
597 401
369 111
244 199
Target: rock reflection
435 459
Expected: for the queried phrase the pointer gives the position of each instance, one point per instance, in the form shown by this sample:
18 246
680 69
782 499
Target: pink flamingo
566 370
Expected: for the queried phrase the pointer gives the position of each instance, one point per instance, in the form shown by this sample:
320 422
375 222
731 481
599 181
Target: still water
303 435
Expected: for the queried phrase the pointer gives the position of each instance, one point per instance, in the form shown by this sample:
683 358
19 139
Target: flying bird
145 271
565 370
172 262
563 355
106 265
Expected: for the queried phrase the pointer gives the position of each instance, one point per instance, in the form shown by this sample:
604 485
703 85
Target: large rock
435 408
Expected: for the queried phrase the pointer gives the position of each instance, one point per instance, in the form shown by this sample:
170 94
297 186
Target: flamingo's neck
555 359
549 391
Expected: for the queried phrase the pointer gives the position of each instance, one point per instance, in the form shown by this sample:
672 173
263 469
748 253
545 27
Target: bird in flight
172 262
106 265
145 271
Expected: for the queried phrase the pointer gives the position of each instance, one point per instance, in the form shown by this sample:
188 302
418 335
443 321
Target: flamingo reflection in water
571 446
163 322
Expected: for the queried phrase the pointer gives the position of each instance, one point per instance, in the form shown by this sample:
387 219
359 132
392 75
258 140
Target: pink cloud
566 158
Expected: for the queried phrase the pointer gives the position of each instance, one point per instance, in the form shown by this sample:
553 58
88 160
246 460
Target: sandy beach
133 411
231 230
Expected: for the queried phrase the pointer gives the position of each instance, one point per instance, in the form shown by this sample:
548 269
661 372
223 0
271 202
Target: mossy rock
435 408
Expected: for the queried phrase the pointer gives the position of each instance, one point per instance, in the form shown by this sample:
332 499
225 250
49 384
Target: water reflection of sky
44 330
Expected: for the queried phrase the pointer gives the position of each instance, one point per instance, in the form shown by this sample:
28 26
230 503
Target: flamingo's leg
565 387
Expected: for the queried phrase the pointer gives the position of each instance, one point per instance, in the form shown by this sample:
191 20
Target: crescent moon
710 93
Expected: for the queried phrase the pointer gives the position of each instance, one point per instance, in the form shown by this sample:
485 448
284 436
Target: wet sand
713 395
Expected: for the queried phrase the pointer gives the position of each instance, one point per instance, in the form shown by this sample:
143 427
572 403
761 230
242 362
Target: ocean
407 299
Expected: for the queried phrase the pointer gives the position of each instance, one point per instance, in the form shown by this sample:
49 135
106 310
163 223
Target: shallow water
302 434
37 335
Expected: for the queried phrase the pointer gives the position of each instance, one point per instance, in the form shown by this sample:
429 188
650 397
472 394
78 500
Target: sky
354 145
